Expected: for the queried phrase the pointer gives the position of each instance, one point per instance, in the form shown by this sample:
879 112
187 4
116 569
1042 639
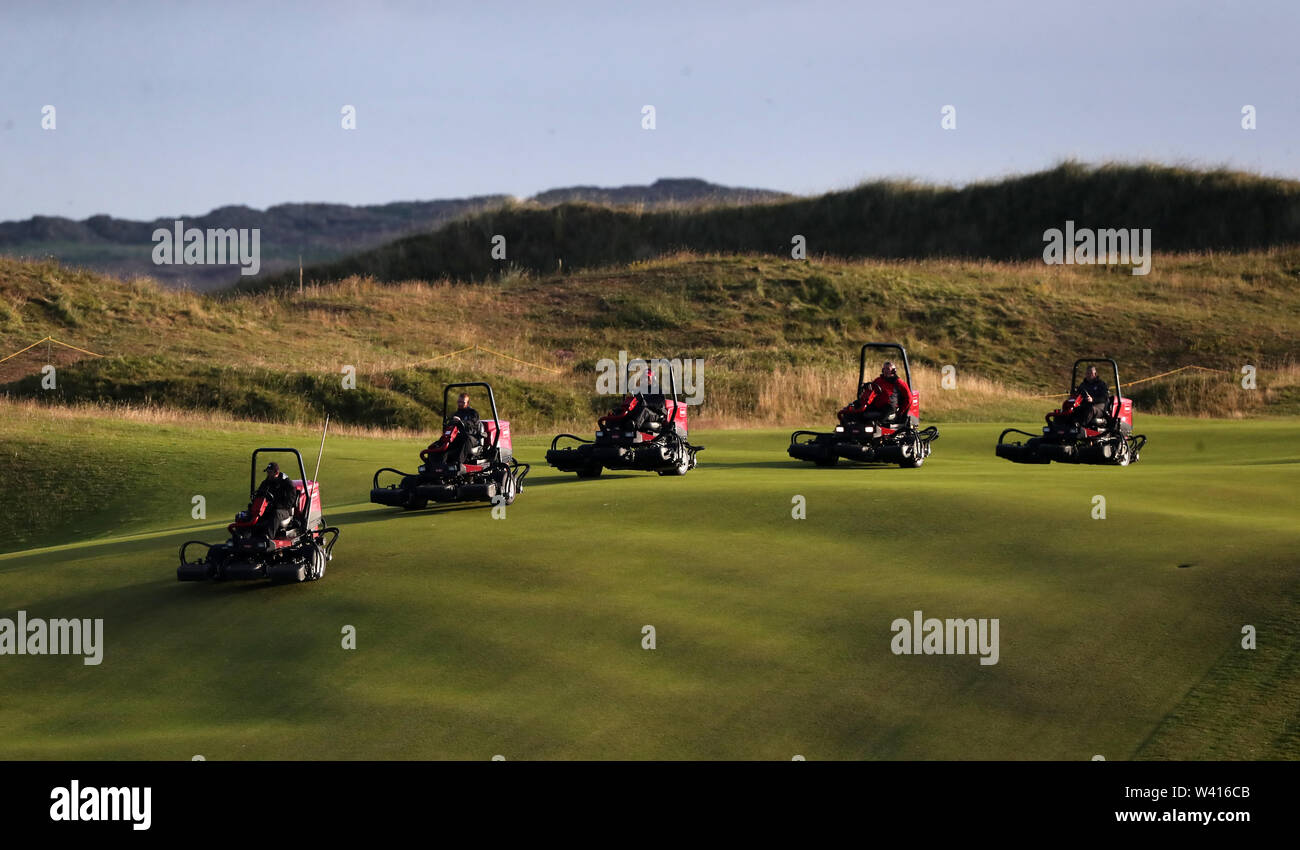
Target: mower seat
875 417
1112 413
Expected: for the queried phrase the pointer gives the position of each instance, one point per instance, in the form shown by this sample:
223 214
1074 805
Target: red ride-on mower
647 432
1081 432
870 430
264 544
471 462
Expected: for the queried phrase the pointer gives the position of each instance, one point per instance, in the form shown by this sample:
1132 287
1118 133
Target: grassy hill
779 337
1186 210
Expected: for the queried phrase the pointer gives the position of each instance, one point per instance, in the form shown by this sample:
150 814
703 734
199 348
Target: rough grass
779 337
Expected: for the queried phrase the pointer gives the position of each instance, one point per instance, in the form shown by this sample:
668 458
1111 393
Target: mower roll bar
888 346
660 363
496 430
252 475
302 470
1074 373
664 363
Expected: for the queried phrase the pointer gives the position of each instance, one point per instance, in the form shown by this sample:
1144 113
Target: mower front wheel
683 466
316 567
507 487
592 471
674 471
915 452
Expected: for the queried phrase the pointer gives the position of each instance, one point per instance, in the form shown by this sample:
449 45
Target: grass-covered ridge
778 337
1186 210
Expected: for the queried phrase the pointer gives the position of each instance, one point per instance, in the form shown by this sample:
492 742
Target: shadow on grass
382 512
572 478
800 464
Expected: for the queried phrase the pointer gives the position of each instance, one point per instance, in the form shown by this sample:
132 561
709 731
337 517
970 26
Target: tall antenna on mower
316 475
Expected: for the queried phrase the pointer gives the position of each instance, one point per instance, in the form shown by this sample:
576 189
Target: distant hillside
1186 210
318 232
666 192
779 338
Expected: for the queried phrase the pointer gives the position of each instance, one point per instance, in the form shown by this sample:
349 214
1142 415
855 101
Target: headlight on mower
420 469
839 429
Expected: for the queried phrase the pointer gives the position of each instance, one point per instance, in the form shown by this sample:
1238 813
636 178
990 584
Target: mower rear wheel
829 460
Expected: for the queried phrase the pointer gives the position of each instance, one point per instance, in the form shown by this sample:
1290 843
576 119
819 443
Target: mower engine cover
503 445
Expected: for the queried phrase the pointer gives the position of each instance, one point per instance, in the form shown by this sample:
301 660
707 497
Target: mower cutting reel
895 437
1106 439
648 433
263 545
470 462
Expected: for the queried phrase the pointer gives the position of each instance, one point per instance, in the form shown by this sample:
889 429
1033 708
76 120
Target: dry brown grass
750 318
794 396
29 412
1206 395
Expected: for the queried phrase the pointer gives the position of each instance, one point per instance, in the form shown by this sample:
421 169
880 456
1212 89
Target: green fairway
522 636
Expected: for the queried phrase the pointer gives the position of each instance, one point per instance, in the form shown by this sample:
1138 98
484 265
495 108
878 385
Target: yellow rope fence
1152 378
488 351
49 339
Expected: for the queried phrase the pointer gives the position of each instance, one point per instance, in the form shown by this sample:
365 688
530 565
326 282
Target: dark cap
272 467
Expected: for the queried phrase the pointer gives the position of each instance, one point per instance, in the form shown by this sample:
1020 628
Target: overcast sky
166 109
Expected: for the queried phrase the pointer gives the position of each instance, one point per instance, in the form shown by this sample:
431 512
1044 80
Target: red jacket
882 394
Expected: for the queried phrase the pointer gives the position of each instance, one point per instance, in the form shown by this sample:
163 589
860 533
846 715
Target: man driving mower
636 411
1089 398
461 431
279 493
878 399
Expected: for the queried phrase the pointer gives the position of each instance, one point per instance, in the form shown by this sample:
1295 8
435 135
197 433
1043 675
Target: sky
175 108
